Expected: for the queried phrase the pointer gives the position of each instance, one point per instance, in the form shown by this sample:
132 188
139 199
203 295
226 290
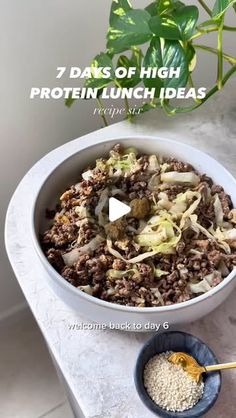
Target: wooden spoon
191 366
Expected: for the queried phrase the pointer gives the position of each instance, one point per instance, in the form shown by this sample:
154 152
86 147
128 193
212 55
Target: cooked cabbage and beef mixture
178 241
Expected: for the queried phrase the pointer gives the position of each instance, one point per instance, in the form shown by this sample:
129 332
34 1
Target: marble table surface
98 365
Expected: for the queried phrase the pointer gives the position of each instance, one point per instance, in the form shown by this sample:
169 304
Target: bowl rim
143 393
91 299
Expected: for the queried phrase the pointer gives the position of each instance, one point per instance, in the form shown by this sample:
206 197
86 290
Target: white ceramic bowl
67 173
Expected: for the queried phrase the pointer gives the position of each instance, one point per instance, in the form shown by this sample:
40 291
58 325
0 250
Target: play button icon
117 209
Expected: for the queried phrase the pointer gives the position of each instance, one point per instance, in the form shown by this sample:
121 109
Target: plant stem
191 84
204 32
153 102
190 80
127 108
229 28
205 7
172 110
228 75
129 116
220 54
228 58
102 112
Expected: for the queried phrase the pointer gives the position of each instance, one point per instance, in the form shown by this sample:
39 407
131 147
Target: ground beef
118 264
60 234
215 257
216 189
72 277
55 258
162 279
175 165
87 231
173 190
226 203
207 179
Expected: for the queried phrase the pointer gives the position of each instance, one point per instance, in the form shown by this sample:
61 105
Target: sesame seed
169 386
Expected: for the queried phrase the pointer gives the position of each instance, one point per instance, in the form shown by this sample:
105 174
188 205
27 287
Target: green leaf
119 8
146 107
134 61
179 25
129 30
164 27
207 23
153 59
69 102
169 55
186 18
100 61
220 7
174 56
191 56
152 8
167 6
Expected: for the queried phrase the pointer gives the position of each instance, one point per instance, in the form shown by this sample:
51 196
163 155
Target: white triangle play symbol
117 209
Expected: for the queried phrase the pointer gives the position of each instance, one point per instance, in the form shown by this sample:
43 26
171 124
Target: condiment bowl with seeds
166 388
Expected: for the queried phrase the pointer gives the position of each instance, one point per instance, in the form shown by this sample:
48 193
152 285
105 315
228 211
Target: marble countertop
98 365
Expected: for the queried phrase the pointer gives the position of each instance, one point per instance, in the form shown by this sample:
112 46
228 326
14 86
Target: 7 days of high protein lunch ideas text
106 73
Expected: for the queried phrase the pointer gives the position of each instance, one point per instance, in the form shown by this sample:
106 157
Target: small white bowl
67 173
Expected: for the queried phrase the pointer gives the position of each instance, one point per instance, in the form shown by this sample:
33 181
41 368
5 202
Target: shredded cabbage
82 211
219 214
103 219
134 260
115 191
221 238
230 234
84 221
123 164
162 227
118 274
163 238
87 289
102 202
162 202
205 284
87 175
101 164
157 294
159 273
153 164
167 247
164 231
73 256
165 167
201 287
177 177
200 228
154 182
178 208
189 195
223 269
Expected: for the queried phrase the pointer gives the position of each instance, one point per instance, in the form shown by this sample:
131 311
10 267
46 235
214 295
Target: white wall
36 37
